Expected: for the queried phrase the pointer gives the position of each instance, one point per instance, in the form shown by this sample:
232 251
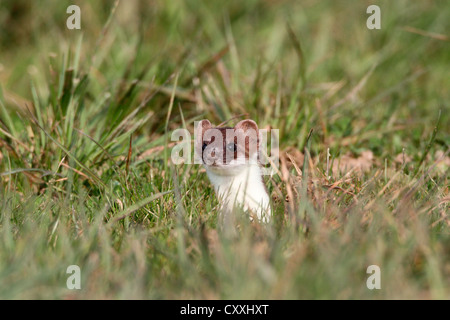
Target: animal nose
209 154
212 153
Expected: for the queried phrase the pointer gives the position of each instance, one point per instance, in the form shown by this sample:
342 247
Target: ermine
230 156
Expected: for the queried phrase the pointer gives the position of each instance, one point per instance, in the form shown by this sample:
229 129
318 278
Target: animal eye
204 146
232 147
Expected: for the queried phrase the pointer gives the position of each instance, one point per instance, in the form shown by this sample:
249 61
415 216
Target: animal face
227 149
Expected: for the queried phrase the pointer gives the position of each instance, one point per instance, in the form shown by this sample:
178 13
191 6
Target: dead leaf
295 158
402 158
348 162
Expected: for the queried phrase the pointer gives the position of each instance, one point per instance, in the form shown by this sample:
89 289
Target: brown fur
251 143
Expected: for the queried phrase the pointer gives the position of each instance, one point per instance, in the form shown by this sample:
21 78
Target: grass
85 171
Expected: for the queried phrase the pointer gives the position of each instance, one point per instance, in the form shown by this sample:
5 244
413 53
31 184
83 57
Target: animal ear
246 125
250 130
202 126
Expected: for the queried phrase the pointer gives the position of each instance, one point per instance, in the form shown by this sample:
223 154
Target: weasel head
228 151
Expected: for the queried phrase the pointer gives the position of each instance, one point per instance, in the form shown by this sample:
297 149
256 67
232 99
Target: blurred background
84 122
401 69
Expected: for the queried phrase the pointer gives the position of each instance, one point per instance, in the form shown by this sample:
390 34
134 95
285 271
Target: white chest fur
244 188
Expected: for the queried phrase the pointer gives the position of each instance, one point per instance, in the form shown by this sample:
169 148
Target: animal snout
211 156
